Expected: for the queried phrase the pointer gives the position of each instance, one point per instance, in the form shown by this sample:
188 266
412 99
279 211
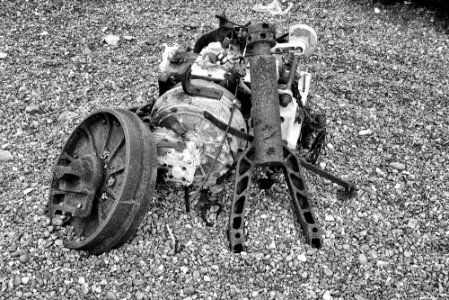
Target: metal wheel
103 181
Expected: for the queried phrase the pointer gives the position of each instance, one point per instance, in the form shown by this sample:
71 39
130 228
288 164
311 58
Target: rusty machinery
236 100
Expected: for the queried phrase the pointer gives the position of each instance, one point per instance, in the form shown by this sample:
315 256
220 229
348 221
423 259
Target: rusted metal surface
265 98
267 148
104 179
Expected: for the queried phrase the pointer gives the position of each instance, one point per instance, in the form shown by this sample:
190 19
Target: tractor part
103 180
267 148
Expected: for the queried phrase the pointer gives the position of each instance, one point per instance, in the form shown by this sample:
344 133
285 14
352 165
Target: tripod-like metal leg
236 231
300 199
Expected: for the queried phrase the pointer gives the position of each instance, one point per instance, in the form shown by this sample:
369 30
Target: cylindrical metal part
265 110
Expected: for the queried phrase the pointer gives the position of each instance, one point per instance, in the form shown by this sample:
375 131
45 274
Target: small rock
330 146
140 296
110 296
327 296
328 272
25 280
365 132
27 191
59 242
376 10
3 55
111 40
380 172
304 274
57 221
196 274
412 223
397 166
128 37
362 259
358 297
411 177
5 155
81 280
207 278
322 165
301 258
87 51
23 258
272 245
329 218
63 116
32 109
407 254
190 290
381 263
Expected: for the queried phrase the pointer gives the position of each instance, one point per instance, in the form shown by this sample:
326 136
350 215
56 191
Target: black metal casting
104 179
267 148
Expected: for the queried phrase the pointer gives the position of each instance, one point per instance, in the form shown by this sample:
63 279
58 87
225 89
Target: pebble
407 254
63 116
190 290
207 278
3 55
140 296
376 10
59 242
327 296
304 274
362 259
397 165
110 296
365 132
23 258
302 258
358 297
329 218
322 165
87 51
128 37
32 109
111 40
330 146
25 280
196 275
328 272
412 223
5 155
380 172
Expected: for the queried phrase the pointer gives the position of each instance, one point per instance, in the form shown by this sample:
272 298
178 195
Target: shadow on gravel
407 10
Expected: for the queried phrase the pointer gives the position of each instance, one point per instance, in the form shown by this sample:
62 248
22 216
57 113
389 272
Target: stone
140 296
328 272
25 280
32 109
111 40
365 132
301 258
5 155
190 290
358 297
63 116
128 37
398 166
87 51
329 218
23 258
412 223
3 55
363 260
327 296
110 296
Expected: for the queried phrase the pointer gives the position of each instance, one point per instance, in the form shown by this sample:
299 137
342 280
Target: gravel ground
381 76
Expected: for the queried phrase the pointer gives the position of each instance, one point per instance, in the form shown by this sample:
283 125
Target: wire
234 106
